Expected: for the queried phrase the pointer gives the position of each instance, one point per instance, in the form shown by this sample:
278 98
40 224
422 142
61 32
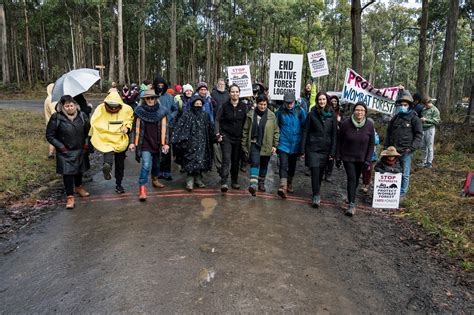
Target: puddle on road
205 276
209 204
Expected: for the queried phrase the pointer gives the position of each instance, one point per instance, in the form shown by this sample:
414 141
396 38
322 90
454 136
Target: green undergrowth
23 153
435 199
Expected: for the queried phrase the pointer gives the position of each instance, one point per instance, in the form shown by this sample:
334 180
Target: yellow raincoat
105 132
49 106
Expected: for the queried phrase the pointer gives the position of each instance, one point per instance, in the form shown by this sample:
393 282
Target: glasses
149 98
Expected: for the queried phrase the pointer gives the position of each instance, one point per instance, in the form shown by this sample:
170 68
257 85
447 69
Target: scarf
258 128
388 162
150 113
70 117
357 124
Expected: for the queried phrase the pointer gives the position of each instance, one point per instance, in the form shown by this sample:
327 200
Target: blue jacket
291 124
167 101
376 142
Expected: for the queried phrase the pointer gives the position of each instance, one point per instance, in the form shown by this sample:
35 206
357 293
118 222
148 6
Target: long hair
326 108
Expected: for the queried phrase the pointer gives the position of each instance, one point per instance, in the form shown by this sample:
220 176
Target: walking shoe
235 186
261 185
224 188
365 189
106 170
328 178
198 182
283 186
168 178
351 210
289 187
421 164
70 202
429 165
253 190
307 172
142 193
189 183
316 201
119 189
81 191
156 183
51 156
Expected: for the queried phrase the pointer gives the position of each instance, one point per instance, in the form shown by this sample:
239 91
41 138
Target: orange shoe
142 193
81 191
70 202
156 183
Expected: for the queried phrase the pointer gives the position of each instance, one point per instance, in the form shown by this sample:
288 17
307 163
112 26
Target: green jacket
432 117
271 135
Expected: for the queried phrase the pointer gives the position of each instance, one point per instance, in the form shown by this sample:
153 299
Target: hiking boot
289 187
253 190
328 178
189 183
106 170
429 165
351 210
142 193
316 201
81 191
168 178
365 189
224 188
235 186
198 182
119 189
283 186
261 184
70 202
156 183
51 156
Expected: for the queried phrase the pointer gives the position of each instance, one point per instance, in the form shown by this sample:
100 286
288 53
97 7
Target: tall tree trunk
112 45
470 111
173 63
420 79
127 59
73 46
193 61
356 13
4 50
101 47
15 55
45 53
430 65
121 63
208 55
29 60
142 55
445 92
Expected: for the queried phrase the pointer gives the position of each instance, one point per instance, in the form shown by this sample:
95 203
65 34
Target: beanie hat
201 85
178 88
187 87
359 104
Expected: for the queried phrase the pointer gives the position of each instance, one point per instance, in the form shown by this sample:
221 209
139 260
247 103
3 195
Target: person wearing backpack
291 118
68 131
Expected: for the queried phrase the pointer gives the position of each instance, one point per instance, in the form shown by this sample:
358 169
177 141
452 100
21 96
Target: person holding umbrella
110 124
67 131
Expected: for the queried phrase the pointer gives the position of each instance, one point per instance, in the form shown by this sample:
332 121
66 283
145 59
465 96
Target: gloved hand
338 163
63 149
367 165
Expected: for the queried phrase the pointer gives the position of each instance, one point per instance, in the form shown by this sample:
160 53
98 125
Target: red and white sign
318 64
387 190
240 75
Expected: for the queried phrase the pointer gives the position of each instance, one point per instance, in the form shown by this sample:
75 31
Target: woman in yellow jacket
49 109
110 125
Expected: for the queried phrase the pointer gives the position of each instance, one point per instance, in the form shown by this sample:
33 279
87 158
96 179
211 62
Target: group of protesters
196 129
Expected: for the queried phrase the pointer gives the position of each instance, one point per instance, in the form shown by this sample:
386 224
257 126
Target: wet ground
203 252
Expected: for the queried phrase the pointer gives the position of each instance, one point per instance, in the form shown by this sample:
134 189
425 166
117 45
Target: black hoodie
220 97
159 79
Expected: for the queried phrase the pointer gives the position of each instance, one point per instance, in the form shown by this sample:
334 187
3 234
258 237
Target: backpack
468 189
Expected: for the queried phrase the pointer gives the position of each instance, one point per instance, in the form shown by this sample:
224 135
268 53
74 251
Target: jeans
149 161
405 161
70 181
119 158
428 144
287 164
353 171
316 179
230 158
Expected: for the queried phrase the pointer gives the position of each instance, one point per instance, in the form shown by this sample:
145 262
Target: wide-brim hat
390 151
149 93
405 97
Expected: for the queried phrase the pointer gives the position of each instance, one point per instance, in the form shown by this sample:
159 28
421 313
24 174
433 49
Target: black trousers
353 171
329 167
71 181
287 164
316 179
165 163
230 159
119 159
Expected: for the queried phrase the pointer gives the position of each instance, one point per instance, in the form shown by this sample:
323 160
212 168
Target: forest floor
410 260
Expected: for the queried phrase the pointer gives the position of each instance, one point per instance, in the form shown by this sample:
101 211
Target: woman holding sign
355 148
319 142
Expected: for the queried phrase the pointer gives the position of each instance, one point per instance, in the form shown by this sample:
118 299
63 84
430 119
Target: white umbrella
74 83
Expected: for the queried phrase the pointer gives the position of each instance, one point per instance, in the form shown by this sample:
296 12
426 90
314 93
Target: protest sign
285 75
386 190
356 88
240 75
318 63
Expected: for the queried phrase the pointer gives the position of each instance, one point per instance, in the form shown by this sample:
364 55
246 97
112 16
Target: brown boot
81 191
142 193
156 183
70 202
290 185
282 191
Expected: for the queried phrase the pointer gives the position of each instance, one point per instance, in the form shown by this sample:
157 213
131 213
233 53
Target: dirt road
202 252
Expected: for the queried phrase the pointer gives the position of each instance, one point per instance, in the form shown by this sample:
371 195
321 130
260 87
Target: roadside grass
23 154
435 200
12 92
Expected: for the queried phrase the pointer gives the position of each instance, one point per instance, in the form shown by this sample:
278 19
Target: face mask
159 91
403 109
